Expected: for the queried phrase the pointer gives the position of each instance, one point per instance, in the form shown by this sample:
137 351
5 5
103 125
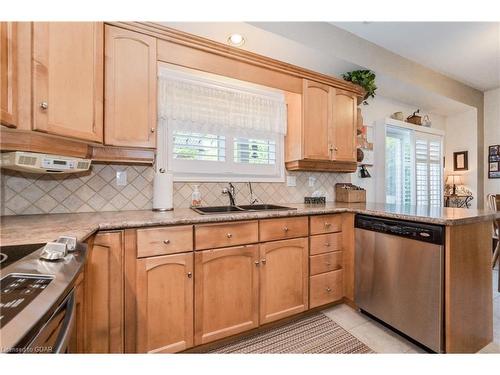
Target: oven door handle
67 328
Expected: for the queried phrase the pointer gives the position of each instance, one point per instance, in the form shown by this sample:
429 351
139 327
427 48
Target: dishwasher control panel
416 231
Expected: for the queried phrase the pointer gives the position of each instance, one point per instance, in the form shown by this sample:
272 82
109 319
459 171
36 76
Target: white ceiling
466 51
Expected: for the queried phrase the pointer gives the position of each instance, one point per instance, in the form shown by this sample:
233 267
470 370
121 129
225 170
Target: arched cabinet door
343 130
283 278
130 88
226 292
164 295
317 106
68 79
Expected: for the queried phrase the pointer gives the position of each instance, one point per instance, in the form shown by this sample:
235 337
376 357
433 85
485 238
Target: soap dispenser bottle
196 197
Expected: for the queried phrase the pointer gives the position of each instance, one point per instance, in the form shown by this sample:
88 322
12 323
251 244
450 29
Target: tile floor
383 340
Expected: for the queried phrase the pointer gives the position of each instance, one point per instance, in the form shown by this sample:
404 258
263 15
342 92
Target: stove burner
3 257
11 254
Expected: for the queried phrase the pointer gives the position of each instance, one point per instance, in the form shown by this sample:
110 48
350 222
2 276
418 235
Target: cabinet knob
257 263
328 225
190 274
44 105
229 235
328 289
328 264
335 149
285 229
327 244
152 130
166 242
263 261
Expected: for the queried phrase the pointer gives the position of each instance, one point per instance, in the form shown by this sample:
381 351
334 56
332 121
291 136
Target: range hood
33 162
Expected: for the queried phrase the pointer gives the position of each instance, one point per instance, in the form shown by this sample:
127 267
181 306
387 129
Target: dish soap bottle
196 197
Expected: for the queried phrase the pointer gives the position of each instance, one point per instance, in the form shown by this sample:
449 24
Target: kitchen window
413 167
217 129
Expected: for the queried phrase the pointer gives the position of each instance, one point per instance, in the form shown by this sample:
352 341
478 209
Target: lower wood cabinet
164 303
77 342
226 292
104 307
283 279
326 288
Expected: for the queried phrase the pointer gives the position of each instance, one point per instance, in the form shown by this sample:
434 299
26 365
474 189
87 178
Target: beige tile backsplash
96 190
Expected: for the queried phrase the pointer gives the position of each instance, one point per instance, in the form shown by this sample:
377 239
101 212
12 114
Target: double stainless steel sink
240 208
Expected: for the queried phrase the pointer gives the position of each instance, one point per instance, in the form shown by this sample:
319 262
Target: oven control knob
54 251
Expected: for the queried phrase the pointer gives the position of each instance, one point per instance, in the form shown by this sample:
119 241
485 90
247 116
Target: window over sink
213 128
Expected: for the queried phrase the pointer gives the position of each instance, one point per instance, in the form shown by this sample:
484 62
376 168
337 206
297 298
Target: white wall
491 135
378 109
461 135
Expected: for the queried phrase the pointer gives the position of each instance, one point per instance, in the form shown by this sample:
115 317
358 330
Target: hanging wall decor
494 161
460 161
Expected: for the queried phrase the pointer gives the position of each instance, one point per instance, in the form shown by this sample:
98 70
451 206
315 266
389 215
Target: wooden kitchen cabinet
104 306
77 342
164 300
68 79
130 88
321 129
283 279
343 129
226 292
8 74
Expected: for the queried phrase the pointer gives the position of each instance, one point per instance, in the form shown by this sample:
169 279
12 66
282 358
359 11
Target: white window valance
204 105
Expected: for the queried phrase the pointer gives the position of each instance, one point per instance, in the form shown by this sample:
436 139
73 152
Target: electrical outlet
312 181
291 180
121 178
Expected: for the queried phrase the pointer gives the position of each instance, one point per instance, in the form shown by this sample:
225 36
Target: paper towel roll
163 191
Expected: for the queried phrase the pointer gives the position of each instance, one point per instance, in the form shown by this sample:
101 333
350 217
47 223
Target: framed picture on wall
460 161
494 161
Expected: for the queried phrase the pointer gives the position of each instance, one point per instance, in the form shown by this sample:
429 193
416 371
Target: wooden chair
492 205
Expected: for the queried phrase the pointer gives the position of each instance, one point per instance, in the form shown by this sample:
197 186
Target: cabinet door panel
130 88
8 73
165 303
104 294
284 279
343 131
317 120
226 292
68 79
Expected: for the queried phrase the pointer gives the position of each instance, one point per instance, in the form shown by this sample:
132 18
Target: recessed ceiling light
236 40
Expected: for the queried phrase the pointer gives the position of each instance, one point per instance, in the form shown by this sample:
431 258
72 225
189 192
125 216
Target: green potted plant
365 79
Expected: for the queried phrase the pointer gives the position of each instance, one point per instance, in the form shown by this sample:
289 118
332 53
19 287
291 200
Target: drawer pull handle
328 289
189 274
166 242
327 244
285 229
328 225
256 263
263 261
229 235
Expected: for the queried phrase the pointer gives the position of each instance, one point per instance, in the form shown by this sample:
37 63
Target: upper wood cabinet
283 279
130 88
164 290
343 129
68 79
104 306
317 115
321 129
226 292
8 74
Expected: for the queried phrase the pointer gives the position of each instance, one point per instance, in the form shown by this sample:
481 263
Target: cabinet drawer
279 229
325 243
209 236
325 262
162 241
325 288
326 224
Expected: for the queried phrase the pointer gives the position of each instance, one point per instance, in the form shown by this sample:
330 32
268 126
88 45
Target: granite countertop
26 229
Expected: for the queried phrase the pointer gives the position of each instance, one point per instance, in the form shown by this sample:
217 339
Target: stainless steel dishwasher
399 276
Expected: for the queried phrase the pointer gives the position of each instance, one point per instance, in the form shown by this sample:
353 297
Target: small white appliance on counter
33 162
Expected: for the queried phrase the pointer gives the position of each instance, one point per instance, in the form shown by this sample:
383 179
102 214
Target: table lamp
454 179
